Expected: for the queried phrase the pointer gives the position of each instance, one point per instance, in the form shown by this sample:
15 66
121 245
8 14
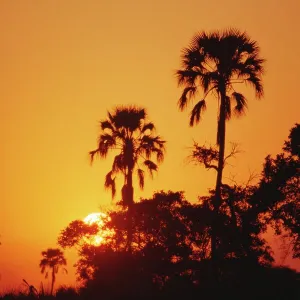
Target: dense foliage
170 255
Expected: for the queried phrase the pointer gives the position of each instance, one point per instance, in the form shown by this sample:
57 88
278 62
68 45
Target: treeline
170 254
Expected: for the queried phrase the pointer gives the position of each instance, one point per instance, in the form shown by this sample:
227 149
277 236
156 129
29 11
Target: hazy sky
64 63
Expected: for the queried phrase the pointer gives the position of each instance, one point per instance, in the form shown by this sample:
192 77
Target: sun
99 219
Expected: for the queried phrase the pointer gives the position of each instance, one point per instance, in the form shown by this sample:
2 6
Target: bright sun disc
99 219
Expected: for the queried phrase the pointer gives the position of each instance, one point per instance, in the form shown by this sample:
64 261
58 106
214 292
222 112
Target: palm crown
215 62
127 131
53 259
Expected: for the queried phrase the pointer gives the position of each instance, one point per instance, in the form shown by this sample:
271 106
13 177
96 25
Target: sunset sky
64 63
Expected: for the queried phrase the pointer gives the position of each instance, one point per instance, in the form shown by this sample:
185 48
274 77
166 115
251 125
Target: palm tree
127 131
215 63
52 259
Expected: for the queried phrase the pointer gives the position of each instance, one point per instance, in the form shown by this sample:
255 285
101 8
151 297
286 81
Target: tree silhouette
280 190
170 251
169 239
292 145
52 259
215 62
127 131
75 233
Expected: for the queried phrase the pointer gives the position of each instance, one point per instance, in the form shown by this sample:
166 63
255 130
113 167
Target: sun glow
103 234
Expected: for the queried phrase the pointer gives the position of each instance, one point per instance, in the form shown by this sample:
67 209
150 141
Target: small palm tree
215 63
127 131
52 259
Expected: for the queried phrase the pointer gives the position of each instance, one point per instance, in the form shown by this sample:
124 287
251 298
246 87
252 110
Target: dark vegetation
170 247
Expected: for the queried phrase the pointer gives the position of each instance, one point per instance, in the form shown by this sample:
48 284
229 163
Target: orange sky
64 63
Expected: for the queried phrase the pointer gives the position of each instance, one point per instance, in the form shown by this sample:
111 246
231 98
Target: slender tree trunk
130 209
53 281
217 198
221 142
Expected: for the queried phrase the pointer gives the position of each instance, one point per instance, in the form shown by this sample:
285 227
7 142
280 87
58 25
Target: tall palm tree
127 131
52 259
215 63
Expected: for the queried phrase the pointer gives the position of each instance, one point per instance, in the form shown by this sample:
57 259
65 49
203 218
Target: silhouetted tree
215 62
171 250
171 241
292 145
280 190
75 233
247 211
127 131
168 239
53 259
273 201
241 227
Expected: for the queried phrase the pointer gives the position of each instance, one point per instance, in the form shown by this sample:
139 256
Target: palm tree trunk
217 198
130 209
221 143
53 281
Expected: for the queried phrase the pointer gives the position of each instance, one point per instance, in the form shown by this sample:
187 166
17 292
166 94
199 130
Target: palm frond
196 112
160 154
151 144
257 84
206 43
243 43
109 183
92 155
208 81
129 117
186 77
188 93
118 164
106 125
148 126
241 103
141 176
43 268
191 57
120 135
151 166
106 142
255 64
110 117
